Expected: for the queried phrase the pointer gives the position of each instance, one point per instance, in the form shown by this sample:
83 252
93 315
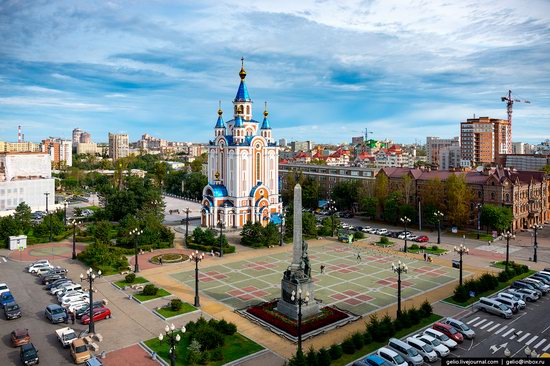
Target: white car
512 297
439 348
391 357
4 288
448 342
366 229
425 350
382 231
41 261
77 305
345 225
69 294
411 237
74 300
34 268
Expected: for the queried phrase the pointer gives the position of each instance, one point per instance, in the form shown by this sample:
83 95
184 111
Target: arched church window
247 109
258 166
236 109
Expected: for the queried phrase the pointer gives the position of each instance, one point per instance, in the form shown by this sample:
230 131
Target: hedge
228 249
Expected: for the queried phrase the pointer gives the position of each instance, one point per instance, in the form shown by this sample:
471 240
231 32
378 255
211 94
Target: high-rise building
301 145
243 169
435 144
118 146
85 138
521 148
86 148
77 133
356 140
282 142
449 157
484 139
61 151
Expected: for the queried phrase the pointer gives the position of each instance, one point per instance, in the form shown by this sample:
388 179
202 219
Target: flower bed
266 312
169 258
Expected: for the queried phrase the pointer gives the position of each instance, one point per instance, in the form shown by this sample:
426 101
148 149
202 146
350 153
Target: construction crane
509 103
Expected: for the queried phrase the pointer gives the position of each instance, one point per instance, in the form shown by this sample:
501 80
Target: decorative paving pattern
357 285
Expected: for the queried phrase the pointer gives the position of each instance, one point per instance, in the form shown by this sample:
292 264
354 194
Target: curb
246 358
150 351
175 316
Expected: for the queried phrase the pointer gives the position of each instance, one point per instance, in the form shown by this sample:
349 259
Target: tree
546 169
345 194
407 186
172 182
159 171
8 227
23 217
368 205
433 194
381 190
102 232
251 234
196 166
391 208
270 235
194 183
309 224
497 218
458 199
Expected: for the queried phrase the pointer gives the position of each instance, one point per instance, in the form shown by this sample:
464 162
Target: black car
85 309
50 278
54 271
12 311
393 234
57 282
29 354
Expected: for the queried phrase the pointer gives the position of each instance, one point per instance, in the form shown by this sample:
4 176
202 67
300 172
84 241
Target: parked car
34 268
442 337
449 331
512 304
70 294
55 313
85 309
538 284
66 303
80 351
40 261
66 288
20 337
530 295
366 230
462 327
406 351
382 231
4 288
56 270
66 336
494 307
542 277
12 311
439 348
513 297
529 286
99 314
422 239
47 279
57 283
391 357
372 360
425 350
6 298
94 361
29 354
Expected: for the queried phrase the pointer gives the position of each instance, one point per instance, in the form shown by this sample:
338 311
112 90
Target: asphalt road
33 300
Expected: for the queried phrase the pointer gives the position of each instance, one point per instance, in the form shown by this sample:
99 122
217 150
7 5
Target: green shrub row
227 249
209 336
377 330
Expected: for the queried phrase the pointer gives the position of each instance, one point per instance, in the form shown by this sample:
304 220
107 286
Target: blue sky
328 69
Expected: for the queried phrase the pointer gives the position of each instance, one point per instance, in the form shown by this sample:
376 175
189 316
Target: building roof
219 190
265 123
242 93
219 122
238 122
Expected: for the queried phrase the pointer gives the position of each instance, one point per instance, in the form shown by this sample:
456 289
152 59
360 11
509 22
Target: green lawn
428 250
161 293
500 286
167 312
137 280
346 358
235 347
472 235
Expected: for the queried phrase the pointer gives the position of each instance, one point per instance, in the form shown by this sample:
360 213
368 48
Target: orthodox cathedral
243 170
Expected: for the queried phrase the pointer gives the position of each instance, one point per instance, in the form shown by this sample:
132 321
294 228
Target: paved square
360 286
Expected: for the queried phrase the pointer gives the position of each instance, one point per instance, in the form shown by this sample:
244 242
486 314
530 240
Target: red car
449 331
422 239
99 314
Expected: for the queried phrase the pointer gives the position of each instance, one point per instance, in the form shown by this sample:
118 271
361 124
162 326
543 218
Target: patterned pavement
359 286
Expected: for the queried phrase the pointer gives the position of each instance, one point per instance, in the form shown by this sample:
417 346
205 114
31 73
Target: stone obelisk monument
298 274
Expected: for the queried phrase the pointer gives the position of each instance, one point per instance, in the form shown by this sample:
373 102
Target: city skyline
327 71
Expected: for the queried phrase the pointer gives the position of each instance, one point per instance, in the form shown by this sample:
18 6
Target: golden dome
242 73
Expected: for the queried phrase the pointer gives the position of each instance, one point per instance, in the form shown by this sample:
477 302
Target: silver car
462 327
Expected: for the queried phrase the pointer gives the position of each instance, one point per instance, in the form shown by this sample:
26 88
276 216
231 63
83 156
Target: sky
401 69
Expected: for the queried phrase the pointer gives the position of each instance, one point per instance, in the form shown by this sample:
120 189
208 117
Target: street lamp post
479 206
405 220
281 243
65 213
74 223
535 227
48 214
438 215
300 301
90 277
508 235
461 250
196 257
172 336
400 268
221 223
332 210
136 233
186 227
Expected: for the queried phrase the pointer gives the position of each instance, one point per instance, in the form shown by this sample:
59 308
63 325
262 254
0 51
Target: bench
138 287
125 272
99 337
94 347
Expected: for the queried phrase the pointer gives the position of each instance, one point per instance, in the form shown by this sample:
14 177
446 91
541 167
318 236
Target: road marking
479 323
508 332
4 259
545 329
493 327
473 320
501 329
486 325
531 340
524 336
539 344
546 348
516 334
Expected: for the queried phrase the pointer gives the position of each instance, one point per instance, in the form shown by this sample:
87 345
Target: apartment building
61 151
118 146
484 139
19 147
434 145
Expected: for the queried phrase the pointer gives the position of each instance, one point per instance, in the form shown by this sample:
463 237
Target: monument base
288 307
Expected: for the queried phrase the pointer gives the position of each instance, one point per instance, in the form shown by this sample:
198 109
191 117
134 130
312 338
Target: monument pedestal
290 308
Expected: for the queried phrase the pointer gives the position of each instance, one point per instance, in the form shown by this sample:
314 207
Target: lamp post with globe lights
74 222
187 226
172 336
331 208
405 220
535 228
196 257
282 242
508 235
136 233
90 277
300 301
65 213
399 268
461 250
438 216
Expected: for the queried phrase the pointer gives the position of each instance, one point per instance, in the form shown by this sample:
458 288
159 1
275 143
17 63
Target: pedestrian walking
322 269
72 317
160 260
425 256
358 257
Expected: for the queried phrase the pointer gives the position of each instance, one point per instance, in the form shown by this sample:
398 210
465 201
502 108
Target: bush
358 235
208 337
384 240
373 327
216 354
404 319
176 304
130 278
423 247
150 290
504 276
335 351
435 247
311 357
426 309
358 340
323 357
367 337
415 246
347 346
386 327
414 315
203 358
225 327
460 294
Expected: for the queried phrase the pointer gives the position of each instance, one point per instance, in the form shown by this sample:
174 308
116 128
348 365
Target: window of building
258 177
507 197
